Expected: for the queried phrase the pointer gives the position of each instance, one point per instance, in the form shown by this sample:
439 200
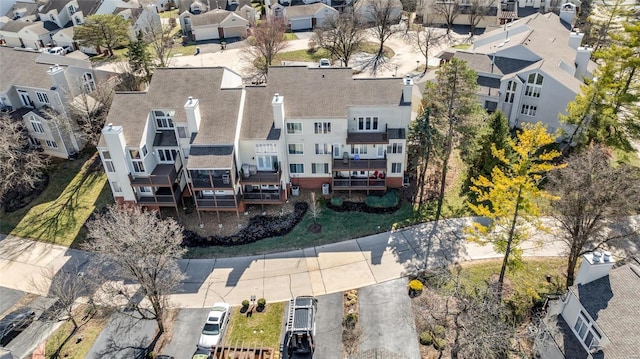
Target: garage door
236 31
207 33
301 24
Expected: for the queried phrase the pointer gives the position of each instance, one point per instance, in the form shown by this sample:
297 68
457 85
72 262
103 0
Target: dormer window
52 18
88 83
164 119
72 9
534 85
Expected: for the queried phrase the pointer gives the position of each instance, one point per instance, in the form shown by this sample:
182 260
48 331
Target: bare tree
424 39
383 14
342 35
448 10
137 245
477 10
21 167
266 40
314 208
594 195
161 42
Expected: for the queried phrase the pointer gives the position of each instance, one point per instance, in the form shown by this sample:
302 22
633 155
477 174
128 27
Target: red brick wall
394 182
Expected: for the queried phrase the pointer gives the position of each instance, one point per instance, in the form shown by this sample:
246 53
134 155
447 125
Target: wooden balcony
367 184
262 177
163 175
364 138
264 197
352 164
219 202
163 197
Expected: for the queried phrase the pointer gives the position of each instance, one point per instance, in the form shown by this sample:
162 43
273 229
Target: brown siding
310 182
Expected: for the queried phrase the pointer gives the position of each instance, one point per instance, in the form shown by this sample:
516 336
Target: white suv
58 51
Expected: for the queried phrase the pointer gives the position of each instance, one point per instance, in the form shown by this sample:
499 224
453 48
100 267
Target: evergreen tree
139 58
477 155
104 30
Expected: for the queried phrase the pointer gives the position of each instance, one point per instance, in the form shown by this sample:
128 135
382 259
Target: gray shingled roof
303 10
19 67
613 302
87 7
31 8
210 157
312 93
501 65
210 17
15 25
218 107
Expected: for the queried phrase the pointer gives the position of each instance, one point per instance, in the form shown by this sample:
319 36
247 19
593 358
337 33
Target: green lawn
461 46
168 14
288 36
57 215
261 329
628 157
71 349
305 56
336 227
181 50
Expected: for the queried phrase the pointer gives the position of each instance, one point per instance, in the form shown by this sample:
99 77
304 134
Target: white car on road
214 326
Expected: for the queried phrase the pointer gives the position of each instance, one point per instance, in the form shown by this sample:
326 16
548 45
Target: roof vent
596 256
190 99
276 97
606 257
110 125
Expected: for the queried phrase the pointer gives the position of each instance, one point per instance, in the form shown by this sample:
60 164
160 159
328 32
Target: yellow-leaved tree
511 198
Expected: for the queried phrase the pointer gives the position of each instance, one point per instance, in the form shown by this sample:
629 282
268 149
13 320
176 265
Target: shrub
425 338
350 320
262 302
416 285
245 303
439 344
388 200
351 297
438 331
337 201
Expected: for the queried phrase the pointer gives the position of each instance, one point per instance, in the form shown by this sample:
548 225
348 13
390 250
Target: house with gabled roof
530 69
32 83
306 17
212 25
200 135
600 315
36 35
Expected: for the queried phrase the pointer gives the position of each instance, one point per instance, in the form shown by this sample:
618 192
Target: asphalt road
329 327
124 337
386 320
9 297
186 332
26 342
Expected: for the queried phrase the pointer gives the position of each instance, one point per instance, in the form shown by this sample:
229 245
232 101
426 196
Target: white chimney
583 54
278 111
116 145
594 266
192 110
58 79
575 39
407 89
568 13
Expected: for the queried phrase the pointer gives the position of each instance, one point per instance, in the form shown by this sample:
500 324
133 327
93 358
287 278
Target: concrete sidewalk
317 270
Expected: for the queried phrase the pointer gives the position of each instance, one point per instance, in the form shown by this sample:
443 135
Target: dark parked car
15 322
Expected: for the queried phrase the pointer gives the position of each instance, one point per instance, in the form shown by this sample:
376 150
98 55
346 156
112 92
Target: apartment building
32 83
200 135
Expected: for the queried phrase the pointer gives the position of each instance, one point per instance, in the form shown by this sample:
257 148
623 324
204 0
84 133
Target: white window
42 97
296 149
144 151
88 83
396 167
167 155
586 332
511 91
164 119
52 144
322 127
394 148
36 125
24 98
294 128
136 161
322 149
115 186
145 191
266 162
367 123
296 168
358 149
72 10
266 148
534 85
319 168
52 17
182 131
108 163
529 110
336 151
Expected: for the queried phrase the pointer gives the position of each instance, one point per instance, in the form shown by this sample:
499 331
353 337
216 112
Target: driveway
386 321
186 332
124 337
9 297
329 327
